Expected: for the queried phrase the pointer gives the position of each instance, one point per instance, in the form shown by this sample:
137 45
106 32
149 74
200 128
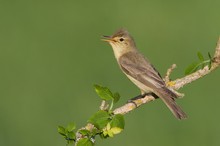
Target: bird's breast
140 85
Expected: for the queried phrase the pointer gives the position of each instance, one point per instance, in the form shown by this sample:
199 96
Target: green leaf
100 119
71 136
106 130
85 142
61 130
116 97
71 127
210 56
118 121
104 135
84 132
210 60
103 92
111 131
191 68
116 130
200 56
203 64
210 65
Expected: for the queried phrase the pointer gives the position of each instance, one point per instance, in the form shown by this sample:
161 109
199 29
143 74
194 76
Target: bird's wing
135 65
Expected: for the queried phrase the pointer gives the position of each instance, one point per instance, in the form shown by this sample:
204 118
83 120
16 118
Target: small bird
140 71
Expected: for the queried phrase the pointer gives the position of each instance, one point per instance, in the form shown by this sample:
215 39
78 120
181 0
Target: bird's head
121 42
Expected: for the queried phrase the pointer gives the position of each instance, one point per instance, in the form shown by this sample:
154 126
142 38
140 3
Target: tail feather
168 98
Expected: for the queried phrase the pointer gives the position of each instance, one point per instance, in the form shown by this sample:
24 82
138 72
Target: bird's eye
121 39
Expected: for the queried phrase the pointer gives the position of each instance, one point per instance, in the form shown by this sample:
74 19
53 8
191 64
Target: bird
140 71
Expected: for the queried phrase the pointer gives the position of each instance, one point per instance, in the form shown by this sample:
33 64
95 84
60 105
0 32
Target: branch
174 85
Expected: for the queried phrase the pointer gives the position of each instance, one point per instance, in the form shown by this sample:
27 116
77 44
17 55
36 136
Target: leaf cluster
68 132
106 94
200 64
106 124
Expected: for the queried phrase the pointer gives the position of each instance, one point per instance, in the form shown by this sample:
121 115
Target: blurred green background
51 55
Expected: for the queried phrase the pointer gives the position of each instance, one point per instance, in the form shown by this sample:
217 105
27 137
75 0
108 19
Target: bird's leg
137 97
142 95
132 100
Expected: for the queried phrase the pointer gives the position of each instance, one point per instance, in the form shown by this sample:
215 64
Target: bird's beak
107 38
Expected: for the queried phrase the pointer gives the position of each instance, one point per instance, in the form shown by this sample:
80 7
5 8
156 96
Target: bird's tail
168 98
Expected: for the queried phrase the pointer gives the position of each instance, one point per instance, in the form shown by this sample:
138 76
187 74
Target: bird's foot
132 100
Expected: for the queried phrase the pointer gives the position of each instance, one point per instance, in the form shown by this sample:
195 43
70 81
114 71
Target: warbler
140 71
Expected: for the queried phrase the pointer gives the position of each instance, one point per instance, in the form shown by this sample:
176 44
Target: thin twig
169 71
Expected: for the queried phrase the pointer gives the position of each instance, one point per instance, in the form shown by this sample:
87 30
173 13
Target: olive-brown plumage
140 71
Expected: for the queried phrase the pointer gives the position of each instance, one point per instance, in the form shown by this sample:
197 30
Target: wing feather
135 65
